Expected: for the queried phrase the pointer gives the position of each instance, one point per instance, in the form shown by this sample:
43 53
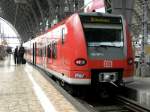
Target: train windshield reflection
106 36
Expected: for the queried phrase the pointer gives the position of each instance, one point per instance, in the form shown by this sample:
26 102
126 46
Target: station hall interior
74 56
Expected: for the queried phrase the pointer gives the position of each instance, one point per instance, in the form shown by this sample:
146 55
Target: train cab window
110 36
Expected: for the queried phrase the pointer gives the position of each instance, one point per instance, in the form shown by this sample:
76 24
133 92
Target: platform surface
24 89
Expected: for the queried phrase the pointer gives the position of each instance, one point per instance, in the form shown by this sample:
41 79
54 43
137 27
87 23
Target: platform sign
94 6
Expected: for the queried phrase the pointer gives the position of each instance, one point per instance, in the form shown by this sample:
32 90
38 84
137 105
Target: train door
49 54
34 53
54 50
44 57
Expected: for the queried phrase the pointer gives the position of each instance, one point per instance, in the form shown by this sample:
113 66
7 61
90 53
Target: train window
44 51
63 35
54 50
49 51
40 52
37 52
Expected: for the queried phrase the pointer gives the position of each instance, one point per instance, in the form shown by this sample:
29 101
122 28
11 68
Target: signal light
80 62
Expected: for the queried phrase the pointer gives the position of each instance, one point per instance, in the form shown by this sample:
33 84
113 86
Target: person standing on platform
21 53
16 55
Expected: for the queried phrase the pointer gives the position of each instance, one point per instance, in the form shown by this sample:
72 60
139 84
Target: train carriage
85 49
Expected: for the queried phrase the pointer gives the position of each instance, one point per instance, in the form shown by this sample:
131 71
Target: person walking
16 55
21 53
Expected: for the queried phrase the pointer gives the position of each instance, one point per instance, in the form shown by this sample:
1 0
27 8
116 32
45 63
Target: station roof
137 17
30 17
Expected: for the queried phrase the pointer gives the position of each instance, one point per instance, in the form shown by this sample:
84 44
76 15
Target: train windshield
103 35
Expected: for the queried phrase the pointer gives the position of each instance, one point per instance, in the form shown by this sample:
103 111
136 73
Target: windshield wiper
115 46
105 46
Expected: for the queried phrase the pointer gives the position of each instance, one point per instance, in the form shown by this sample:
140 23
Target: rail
132 105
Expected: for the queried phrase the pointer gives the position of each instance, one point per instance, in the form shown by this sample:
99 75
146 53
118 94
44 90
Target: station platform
139 91
24 89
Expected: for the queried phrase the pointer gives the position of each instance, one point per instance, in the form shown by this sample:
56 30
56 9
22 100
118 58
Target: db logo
107 63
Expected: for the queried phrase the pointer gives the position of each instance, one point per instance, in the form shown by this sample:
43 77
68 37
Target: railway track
116 104
101 105
132 105
92 103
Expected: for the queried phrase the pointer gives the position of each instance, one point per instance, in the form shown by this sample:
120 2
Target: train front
109 49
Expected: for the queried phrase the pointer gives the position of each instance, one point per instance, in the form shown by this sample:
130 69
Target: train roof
82 14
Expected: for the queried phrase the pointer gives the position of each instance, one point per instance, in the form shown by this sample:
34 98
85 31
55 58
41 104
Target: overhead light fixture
20 1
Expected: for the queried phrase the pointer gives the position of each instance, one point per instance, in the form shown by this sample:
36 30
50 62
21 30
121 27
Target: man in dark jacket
16 55
21 53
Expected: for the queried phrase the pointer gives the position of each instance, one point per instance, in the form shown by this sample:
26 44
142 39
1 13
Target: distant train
85 49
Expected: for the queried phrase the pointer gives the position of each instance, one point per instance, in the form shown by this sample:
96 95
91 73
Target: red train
85 49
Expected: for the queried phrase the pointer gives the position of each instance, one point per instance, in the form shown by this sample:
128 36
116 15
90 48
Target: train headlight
80 61
79 75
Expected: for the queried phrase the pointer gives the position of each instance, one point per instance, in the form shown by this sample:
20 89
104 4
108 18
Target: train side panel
129 69
74 49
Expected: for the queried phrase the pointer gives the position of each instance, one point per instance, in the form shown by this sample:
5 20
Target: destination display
101 19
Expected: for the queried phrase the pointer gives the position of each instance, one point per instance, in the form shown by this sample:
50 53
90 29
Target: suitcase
23 61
